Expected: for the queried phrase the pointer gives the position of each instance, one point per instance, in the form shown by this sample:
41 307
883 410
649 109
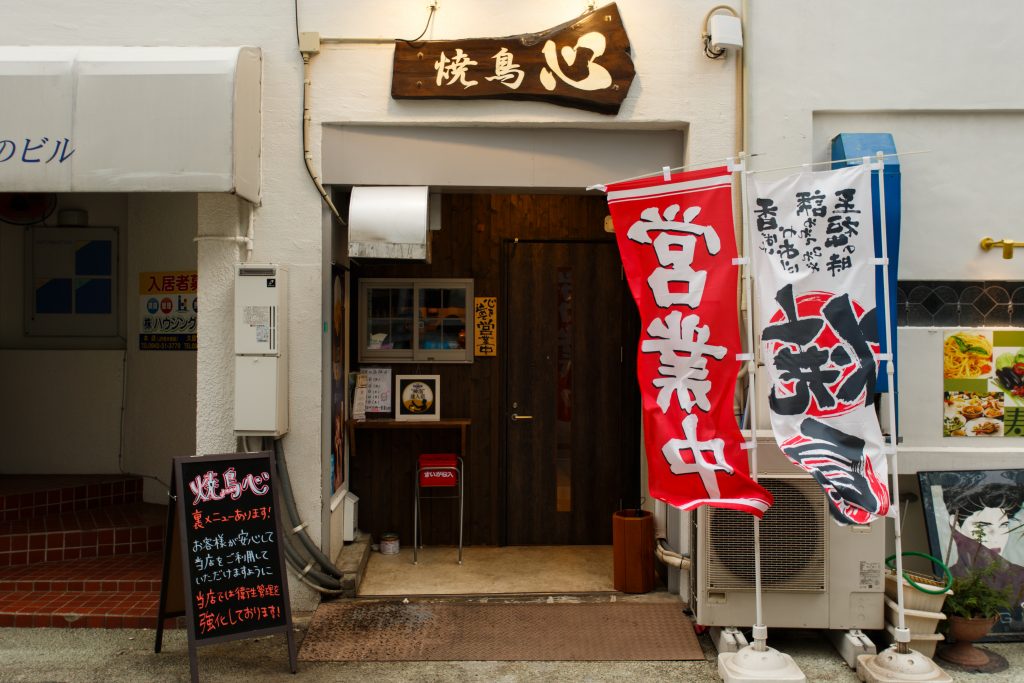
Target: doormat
384 631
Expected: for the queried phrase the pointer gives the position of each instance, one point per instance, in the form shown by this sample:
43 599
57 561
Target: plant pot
965 632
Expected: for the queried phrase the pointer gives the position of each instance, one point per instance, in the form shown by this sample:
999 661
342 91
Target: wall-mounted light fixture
1007 245
721 32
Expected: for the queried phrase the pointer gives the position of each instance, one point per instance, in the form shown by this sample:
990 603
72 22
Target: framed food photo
983 383
418 397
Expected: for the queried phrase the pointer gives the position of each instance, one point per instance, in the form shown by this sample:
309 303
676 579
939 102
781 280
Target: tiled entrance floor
491 571
79 552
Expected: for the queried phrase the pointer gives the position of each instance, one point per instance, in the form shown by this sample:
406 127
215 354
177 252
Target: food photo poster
983 383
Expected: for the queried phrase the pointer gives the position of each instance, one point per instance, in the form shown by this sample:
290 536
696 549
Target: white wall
160 391
287 226
62 411
676 86
942 77
66 394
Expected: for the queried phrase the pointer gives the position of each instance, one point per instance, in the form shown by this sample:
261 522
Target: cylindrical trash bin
633 550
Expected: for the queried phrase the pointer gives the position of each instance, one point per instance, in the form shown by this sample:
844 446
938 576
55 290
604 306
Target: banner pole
902 632
755 663
760 631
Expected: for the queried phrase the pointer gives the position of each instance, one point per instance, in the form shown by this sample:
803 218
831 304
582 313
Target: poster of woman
975 518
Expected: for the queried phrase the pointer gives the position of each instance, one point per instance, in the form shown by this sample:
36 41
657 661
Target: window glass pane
431 333
454 334
457 299
380 302
401 334
443 326
431 300
378 332
401 303
439 310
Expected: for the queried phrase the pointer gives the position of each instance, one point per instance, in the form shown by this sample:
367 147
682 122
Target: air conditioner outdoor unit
815 573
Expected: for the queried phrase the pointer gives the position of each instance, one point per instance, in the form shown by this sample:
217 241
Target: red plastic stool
436 470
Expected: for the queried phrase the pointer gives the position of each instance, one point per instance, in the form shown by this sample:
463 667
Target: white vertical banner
814 261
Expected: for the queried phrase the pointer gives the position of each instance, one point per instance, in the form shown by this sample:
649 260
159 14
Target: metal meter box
261 349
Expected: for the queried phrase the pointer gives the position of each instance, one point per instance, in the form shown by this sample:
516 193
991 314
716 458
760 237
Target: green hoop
889 562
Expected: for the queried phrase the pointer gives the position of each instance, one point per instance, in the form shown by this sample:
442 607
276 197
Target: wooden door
570 407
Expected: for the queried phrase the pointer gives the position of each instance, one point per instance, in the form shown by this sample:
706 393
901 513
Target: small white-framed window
71 282
415 320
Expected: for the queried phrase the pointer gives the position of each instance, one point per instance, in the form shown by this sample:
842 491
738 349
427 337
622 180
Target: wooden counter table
460 423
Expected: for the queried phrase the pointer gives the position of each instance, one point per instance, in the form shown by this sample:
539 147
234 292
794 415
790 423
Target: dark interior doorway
471 243
569 411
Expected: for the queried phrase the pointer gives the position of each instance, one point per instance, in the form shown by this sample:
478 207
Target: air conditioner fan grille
793 541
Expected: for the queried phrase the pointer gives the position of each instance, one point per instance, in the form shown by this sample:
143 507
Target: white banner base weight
851 645
760 666
890 666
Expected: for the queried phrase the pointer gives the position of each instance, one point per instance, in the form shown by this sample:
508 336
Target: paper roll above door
388 222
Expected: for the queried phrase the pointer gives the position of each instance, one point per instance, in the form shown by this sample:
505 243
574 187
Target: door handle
516 418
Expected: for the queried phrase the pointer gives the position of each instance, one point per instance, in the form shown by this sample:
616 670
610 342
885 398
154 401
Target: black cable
423 32
293 514
710 53
296 23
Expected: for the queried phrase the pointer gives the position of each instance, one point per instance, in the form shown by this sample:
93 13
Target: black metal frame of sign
226 533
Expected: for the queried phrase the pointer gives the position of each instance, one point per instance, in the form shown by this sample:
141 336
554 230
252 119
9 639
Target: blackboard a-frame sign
223 555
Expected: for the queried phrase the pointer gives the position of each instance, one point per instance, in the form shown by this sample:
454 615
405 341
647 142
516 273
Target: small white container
913 598
389 544
918 621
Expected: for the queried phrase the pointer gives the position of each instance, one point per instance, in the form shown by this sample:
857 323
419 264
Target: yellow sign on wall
167 320
485 326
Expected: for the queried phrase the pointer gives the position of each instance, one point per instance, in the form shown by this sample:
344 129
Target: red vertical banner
678 248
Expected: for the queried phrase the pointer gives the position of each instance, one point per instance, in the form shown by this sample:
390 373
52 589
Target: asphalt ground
112 656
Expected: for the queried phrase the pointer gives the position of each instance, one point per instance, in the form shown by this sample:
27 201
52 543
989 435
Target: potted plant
972 609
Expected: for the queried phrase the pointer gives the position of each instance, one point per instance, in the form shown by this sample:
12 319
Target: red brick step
79 610
125 574
23 496
79 552
84 534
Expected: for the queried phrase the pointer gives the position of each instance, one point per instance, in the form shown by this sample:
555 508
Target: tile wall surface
956 303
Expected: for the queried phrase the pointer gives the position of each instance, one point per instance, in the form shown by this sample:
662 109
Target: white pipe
760 630
669 557
307 155
902 632
250 234
238 239
660 519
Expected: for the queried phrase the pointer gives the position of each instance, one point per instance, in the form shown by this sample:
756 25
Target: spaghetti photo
966 355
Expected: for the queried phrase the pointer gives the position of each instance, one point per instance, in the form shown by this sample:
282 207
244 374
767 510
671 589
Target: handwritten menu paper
378 390
235 585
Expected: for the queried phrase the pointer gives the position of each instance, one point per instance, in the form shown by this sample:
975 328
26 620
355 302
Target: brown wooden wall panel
468 246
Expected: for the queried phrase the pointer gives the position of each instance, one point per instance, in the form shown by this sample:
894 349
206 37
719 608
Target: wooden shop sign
583 63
